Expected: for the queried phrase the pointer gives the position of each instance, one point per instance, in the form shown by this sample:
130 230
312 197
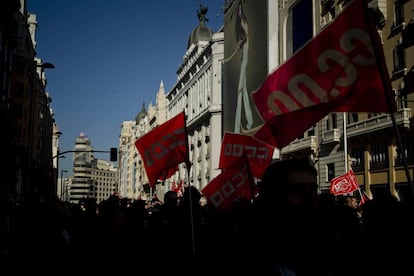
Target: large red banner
341 70
163 148
234 146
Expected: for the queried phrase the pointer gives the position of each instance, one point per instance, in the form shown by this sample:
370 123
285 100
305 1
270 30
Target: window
398 13
407 33
332 121
357 159
311 131
330 172
379 156
399 61
299 26
398 24
352 118
406 153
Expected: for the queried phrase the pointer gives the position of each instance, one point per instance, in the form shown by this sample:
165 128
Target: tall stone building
25 111
198 92
132 178
92 178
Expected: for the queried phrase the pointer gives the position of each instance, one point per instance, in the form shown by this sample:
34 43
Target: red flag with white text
163 148
232 184
344 184
342 69
234 146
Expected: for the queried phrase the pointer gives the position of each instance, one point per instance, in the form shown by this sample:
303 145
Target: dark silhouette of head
289 183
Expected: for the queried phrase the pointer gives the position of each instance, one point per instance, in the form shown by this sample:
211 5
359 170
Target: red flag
280 130
233 183
168 173
235 145
341 70
364 198
163 148
344 184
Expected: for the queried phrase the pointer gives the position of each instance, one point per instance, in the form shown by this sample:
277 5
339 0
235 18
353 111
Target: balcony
380 122
331 136
301 144
399 161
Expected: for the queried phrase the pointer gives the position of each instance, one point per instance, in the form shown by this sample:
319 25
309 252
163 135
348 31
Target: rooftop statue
201 13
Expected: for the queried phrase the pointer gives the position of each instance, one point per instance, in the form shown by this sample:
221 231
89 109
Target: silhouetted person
196 227
347 230
289 236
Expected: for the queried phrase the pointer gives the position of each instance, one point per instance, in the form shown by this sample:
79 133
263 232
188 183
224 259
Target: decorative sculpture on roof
201 13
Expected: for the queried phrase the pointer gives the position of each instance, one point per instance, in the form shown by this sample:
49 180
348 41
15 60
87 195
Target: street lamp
61 183
46 65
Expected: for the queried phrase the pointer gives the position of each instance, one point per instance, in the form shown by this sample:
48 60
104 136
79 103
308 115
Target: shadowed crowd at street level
288 229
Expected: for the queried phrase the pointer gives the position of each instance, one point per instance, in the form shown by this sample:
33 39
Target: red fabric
280 130
232 184
341 70
234 146
344 184
364 199
177 187
163 148
168 173
173 186
180 189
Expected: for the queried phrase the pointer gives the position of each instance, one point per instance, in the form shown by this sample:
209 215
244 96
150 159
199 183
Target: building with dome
200 32
198 91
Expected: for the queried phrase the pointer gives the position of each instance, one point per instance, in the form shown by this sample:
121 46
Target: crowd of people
288 229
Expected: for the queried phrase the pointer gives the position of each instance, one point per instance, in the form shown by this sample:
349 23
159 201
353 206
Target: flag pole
251 180
191 211
188 167
361 196
345 143
387 86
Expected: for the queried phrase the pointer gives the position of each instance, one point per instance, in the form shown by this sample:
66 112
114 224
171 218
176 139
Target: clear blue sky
110 57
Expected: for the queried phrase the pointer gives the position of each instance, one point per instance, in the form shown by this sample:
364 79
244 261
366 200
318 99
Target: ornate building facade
132 178
198 92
